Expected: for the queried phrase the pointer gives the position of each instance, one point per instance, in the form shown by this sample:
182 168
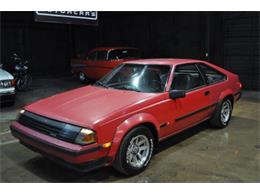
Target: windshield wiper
101 84
129 88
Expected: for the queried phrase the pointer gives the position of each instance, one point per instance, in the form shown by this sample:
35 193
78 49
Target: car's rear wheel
222 114
82 77
135 151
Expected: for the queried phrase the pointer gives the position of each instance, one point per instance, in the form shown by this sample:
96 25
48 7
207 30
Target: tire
29 81
82 77
23 83
219 120
128 159
20 85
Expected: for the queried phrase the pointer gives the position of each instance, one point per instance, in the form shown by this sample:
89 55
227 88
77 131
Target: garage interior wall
231 39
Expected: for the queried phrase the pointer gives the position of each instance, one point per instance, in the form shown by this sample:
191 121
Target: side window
186 77
212 75
102 55
92 55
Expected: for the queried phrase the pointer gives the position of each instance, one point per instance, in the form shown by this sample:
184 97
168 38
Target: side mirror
175 94
1 65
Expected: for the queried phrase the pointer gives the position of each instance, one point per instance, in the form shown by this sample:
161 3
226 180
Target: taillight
240 85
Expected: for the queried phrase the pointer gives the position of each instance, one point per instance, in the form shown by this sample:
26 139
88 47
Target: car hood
88 106
4 75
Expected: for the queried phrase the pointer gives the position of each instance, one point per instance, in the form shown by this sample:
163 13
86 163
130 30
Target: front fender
129 124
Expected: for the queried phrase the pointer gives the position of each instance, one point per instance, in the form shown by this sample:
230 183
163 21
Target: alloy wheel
138 151
226 111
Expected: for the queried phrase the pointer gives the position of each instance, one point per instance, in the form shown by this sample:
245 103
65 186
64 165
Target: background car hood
4 75
88 105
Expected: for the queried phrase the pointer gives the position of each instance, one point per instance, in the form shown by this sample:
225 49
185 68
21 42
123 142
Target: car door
96 64
90 64
195 106
101 64
215 81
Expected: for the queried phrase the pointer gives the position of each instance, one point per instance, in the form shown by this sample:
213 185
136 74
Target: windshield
123 54
136 77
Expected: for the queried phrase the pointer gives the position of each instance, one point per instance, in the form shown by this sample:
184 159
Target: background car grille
57 129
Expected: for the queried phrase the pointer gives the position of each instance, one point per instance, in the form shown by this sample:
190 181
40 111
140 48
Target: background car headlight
86 136
6 83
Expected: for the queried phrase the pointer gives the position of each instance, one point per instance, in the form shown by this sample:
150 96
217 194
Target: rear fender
225 93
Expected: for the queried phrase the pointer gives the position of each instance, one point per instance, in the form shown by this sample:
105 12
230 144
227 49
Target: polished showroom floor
200 154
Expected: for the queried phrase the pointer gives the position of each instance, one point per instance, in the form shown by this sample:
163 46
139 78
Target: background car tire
217 120
82 77
122 162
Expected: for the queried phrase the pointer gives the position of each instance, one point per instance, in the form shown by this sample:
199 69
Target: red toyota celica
121 118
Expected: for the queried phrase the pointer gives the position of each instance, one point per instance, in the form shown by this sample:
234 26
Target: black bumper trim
82 167
7 97
18 134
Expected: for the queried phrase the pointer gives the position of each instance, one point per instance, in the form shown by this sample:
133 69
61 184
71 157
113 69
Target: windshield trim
118 68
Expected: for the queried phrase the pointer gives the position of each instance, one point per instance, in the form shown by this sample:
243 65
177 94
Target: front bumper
80 158
7 95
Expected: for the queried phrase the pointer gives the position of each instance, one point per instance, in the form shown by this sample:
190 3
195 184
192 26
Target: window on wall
186 77
212 75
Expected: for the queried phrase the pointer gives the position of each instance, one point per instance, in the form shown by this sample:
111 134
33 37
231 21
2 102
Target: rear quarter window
102 55
92 55
212 75
124 54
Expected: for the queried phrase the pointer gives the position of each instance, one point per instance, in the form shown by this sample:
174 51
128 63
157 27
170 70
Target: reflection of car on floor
120 119
100 61
7 87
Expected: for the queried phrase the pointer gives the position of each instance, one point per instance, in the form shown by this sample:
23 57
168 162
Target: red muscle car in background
100 61
121 118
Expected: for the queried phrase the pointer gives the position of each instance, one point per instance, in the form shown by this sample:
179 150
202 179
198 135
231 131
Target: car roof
164 61
110 48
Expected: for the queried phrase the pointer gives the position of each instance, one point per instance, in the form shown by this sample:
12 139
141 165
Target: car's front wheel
135 151
222 114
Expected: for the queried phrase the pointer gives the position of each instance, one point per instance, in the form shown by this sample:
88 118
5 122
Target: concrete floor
200 154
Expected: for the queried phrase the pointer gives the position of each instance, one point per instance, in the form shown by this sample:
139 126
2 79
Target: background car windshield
124 54
143 78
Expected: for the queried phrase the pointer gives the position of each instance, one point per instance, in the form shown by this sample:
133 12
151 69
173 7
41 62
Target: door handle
206 93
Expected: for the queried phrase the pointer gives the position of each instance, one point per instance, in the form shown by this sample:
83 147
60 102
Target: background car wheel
135 151
222 114
82 77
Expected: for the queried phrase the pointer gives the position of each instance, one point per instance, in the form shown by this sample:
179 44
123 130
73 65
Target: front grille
57 129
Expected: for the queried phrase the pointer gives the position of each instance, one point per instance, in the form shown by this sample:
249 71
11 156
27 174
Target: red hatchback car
100 61
121 118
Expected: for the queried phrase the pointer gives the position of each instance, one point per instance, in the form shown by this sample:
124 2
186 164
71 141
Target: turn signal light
107 145
13 82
